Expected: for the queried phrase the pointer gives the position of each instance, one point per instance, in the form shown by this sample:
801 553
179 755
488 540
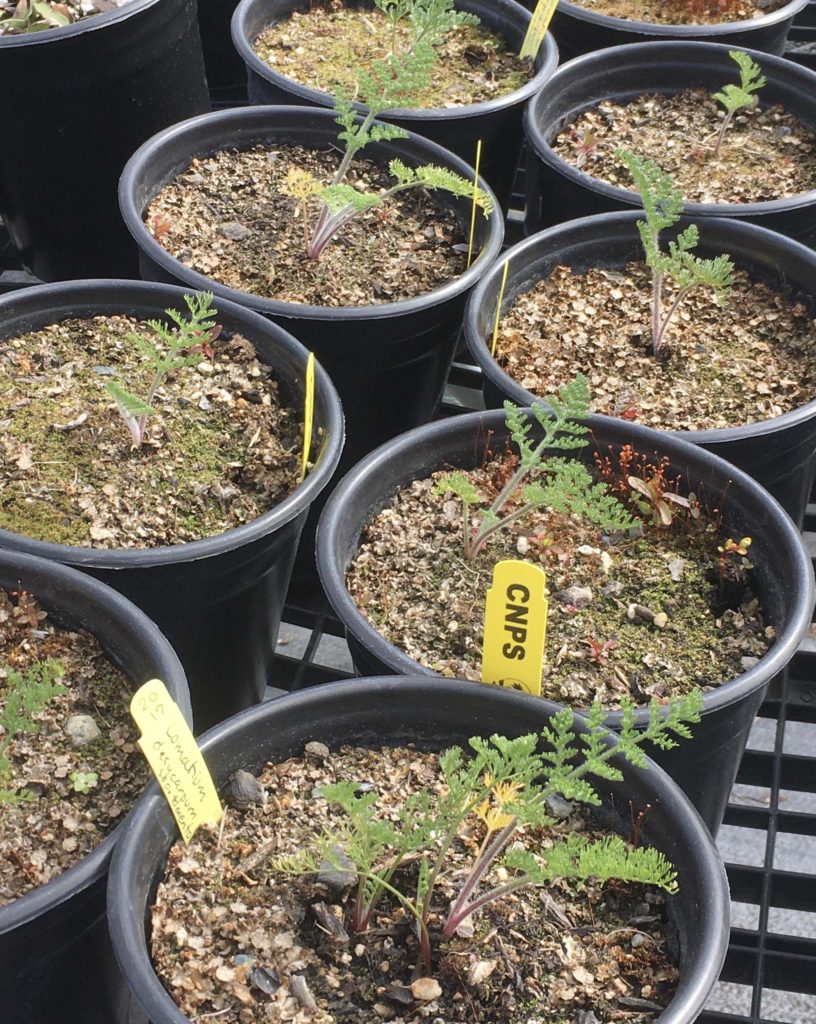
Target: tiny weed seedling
505 783
392 82
738 97
83 782
662 206
541 478
174 350
25 694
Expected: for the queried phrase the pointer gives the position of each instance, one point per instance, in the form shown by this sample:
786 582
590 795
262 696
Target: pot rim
126 921
787 10
267 116
659 50
93 24
735 230
93 865
373 467
546 59
239 536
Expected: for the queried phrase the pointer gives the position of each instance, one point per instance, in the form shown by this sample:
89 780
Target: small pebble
426 989
612 589
316 751
579 597
558 807
234 231
243 790
748 662
637 940
82 730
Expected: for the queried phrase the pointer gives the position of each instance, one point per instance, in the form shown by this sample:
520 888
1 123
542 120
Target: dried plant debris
221 449
19 17
325 47
650 615
725 367
766 154
683 12
71 767
228 217
234 937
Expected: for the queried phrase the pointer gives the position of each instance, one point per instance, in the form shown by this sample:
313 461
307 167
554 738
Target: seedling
83 782
393 82
564 485
24 696
34 16
662 206
732 551
738 97
175 348
505 783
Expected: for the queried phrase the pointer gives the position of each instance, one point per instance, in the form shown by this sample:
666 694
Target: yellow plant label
173 754
537 29
515 627
308 414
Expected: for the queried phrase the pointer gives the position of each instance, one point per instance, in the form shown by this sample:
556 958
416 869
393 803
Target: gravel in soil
685 12
747 362
227 218
766 153
50 826
232 936
326 47
221 449
645 616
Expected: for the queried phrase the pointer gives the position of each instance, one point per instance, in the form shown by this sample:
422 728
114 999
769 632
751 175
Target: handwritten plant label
515 627
537 29
173 754
308 414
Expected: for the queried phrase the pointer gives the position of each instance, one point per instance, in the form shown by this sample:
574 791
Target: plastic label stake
537 29
308 414
173 754
515 627
498 308
475 197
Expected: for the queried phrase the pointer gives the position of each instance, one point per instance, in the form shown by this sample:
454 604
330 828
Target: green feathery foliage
738 97
173 351
564 485
662 206
505 783
24 696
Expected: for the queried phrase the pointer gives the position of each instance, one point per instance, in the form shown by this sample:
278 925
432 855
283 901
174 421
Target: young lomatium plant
662 206
738 97
182 345
395 81
542 478
24 696
505 783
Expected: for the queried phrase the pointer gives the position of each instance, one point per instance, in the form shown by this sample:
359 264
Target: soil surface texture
220 449
228 218
323 48
747 362
644 616
766 152
684 12
233 936
74 776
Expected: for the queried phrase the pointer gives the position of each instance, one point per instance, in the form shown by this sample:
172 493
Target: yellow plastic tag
515 627
537 29
498 308
173 754
308 414
475 196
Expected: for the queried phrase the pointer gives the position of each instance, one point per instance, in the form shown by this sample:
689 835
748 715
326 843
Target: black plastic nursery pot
55 938
581 30
218 600
433 715
226 74
704 767
76 102
557 191
496 122
389 362
779 453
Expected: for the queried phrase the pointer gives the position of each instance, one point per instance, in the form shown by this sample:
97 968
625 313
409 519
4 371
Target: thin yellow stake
498 308
308 414
475 194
